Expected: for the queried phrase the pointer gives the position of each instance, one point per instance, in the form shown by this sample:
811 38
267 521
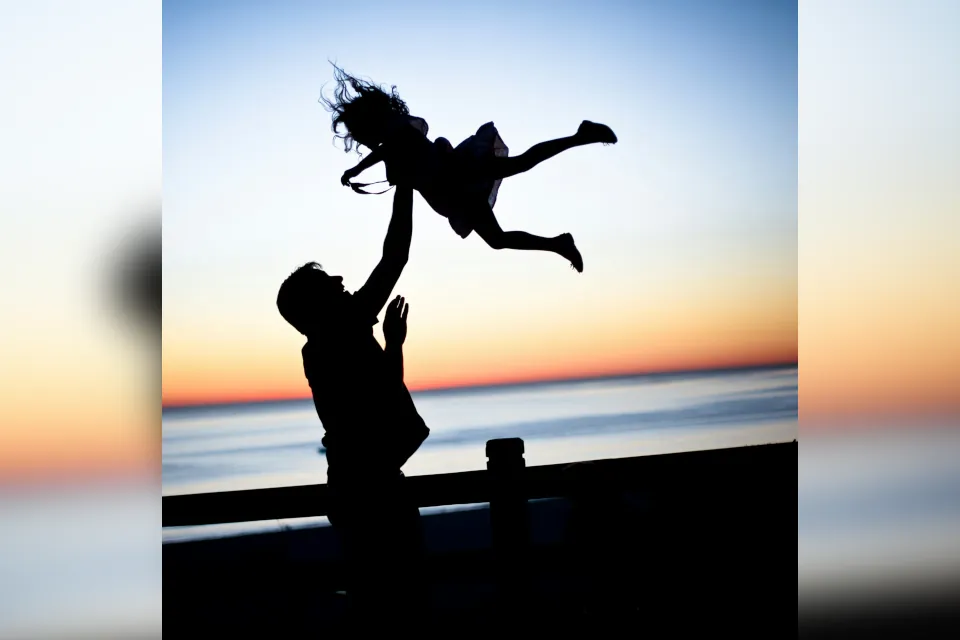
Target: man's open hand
395 321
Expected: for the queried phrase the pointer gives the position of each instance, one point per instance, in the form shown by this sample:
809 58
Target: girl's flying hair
369 107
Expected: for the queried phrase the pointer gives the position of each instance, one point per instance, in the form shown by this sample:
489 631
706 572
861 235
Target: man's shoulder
355 324
356 313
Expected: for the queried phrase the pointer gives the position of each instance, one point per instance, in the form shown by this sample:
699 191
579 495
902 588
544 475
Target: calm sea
223 448
877 507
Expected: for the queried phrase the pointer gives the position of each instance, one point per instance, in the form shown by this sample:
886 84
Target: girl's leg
588 133
486 225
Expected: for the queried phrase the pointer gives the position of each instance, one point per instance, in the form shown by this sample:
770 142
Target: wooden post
509 519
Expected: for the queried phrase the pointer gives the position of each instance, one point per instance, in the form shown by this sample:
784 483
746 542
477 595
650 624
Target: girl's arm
372 158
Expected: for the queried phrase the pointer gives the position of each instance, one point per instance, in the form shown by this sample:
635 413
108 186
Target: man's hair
295 300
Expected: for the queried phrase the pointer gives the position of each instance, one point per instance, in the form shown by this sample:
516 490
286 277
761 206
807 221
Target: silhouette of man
371 424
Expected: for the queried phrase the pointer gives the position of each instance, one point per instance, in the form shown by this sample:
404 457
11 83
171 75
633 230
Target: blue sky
693 211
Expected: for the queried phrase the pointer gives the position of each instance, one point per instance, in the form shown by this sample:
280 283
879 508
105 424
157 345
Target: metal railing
506 481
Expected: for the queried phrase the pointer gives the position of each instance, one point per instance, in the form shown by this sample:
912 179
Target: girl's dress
453 182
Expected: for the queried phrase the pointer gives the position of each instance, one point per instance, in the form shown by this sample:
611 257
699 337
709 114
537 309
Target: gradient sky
688 227
880 234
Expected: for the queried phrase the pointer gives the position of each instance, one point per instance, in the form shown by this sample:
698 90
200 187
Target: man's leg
398 569
382 540
350 517
410 555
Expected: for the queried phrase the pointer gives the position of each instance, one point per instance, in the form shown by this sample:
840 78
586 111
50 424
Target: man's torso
369 419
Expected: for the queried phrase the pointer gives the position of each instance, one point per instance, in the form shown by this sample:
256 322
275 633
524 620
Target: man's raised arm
375 292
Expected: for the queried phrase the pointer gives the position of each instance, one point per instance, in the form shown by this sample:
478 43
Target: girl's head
365 113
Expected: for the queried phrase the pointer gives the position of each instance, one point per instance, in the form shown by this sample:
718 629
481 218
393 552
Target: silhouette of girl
460 183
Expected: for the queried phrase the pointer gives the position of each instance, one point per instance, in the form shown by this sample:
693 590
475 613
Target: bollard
509 519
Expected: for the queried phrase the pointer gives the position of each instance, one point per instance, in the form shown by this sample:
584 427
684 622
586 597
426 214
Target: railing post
509 520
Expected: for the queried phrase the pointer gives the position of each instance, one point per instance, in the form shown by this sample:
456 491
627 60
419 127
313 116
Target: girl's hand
348 175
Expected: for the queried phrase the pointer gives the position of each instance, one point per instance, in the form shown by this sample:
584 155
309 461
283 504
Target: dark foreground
703 552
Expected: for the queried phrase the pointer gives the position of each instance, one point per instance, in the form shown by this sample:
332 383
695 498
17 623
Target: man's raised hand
395 321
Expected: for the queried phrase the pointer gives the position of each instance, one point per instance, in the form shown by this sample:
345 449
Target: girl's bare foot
596 132
568 249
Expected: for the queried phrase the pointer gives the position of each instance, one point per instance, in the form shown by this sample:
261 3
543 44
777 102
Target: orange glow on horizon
618 338
94 446
300 390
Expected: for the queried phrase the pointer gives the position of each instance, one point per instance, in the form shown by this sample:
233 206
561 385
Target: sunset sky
688 226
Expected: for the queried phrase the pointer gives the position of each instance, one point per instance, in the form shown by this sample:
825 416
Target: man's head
308 296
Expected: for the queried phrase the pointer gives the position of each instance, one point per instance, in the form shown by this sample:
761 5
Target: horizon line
500 385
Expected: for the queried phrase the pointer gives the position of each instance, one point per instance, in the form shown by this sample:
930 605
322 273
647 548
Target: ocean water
278 444
223 448
878 507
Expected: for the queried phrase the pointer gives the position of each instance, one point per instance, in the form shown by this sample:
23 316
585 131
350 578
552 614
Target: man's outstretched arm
396 249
